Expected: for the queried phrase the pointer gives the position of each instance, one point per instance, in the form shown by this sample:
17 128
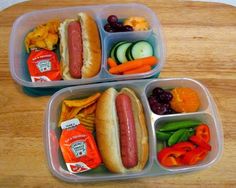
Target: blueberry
127 28
117 26
157 91
165 97
108 28
112 19
159 109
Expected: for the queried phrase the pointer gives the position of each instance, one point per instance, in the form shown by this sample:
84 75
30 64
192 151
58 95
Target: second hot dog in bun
80 47
121 131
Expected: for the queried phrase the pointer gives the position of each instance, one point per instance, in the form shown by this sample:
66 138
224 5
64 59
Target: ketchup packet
43 66
78 147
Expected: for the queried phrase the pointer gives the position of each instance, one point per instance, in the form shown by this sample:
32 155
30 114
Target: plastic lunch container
25 23
143 88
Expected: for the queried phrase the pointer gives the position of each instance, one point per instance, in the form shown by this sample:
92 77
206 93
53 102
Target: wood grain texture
201 44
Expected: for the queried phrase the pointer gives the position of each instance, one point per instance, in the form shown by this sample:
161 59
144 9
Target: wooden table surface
201 44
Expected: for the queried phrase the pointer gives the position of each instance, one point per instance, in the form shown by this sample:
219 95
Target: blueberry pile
114 25
159 101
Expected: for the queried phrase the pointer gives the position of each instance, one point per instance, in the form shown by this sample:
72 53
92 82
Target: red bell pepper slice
171 161
194 156
187 146
200 142
203 131
170 156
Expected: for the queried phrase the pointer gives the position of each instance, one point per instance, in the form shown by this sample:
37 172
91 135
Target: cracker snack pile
43 36
83 109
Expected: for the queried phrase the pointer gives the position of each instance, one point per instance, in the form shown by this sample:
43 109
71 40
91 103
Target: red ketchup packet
78 147
43 66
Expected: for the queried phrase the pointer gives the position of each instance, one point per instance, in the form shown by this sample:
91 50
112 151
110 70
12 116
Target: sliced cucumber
120 52
112 53
128 53
141 49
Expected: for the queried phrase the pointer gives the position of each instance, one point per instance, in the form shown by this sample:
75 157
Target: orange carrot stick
129 65
143 69
111 62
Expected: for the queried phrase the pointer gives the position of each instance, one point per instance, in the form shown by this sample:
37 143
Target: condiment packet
43 66
78 147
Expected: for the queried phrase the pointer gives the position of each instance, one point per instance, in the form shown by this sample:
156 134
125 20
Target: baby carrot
129 65
111 62
142 69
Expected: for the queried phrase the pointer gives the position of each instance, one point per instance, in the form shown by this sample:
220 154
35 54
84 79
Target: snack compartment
215 142
124 11
131 37
52 134
170 84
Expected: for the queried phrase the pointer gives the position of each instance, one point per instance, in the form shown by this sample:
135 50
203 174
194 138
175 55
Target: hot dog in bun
121 131
80 47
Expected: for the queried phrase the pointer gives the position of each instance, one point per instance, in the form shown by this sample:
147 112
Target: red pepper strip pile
187 153
203 132
183 153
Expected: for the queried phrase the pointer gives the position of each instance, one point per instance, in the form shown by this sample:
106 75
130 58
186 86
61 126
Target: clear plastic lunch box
25 23
207 114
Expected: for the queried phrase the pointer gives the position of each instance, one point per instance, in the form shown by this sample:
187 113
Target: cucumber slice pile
124 51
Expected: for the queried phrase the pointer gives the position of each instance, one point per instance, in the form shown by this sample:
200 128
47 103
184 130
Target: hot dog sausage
128 140
75 49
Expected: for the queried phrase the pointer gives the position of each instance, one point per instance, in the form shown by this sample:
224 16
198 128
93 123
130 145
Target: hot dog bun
91 47
107 131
